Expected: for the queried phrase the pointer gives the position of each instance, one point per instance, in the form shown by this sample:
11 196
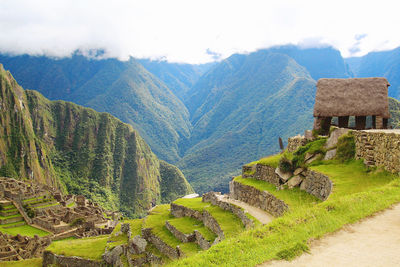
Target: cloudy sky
194 31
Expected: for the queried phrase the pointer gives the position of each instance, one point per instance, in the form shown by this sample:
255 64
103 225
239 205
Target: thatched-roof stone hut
359 97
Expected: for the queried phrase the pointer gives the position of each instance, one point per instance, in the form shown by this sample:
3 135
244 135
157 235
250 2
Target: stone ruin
21 247
60 215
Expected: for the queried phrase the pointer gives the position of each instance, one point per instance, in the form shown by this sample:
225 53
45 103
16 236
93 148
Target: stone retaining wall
50 259
260 199
384 148
295 142
185 238
317 184
172 253
204 216
267 173
212 197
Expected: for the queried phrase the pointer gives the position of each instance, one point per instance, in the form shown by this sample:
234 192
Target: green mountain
379 64
81 151
179 77
394 109
124 89
239 109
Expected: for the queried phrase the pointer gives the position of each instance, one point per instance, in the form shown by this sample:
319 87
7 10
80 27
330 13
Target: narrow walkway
257 213
374 241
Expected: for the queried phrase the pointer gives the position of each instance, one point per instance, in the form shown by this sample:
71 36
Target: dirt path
374 241
259 214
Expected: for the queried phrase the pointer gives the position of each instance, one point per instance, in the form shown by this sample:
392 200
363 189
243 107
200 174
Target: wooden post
385 123
373 122
360 122
343 122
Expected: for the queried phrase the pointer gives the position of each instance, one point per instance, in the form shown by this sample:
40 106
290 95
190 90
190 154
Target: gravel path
257 213
375 241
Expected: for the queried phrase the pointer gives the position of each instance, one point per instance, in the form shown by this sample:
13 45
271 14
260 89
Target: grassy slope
187 225
287 236
89 248
23 263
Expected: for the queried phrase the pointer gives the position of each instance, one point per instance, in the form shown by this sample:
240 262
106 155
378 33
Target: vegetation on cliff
81 151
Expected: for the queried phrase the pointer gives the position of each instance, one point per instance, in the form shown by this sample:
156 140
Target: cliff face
81 151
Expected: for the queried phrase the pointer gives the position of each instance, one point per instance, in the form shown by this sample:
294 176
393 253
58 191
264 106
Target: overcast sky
194 31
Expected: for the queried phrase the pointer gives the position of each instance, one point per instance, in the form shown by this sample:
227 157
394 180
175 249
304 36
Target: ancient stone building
358 97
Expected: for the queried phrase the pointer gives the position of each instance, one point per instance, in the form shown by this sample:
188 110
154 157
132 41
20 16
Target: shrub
285 164
346 147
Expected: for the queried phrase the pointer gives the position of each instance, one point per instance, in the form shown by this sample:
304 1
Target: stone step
15 225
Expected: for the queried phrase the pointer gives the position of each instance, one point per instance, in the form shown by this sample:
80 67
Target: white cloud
187 31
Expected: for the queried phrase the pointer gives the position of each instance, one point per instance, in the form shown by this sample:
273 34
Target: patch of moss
346 147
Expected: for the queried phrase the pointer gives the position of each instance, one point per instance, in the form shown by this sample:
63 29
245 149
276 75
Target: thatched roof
352 97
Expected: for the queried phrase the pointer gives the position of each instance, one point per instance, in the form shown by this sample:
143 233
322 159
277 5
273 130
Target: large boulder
295 181
283 175
113 257
330 154
137 245
334 136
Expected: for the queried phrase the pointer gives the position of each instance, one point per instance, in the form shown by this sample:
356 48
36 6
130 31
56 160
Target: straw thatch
352 97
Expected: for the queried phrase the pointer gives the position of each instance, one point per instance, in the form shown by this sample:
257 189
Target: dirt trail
374 241
259 214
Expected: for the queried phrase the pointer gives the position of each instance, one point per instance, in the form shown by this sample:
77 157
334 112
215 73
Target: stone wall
204 216
260 199
317 184
50 259
185 238
212 197
172 253
381 148
267 173
295 142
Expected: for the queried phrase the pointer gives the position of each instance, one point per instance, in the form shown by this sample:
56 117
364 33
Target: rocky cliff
81 151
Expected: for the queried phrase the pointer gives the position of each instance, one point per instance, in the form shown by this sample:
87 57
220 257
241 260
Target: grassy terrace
358 192
156 220
230 224
23 263
88 248
272 161
25 230
187 225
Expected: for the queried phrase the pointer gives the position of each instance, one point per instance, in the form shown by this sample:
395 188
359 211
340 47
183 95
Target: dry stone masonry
379 148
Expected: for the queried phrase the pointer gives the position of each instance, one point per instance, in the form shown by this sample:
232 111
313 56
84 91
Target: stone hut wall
260 199
379 147
295 142
317 184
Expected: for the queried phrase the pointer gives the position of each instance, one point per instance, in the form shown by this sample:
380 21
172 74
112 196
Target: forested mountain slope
81 151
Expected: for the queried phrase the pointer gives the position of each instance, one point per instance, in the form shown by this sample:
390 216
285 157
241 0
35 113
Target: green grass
25 230
294 197
230 224
116 240
156 220
48 205
272 161
358 193
70 205
187 225
88 248
353 177
23 263
136 226
9 217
